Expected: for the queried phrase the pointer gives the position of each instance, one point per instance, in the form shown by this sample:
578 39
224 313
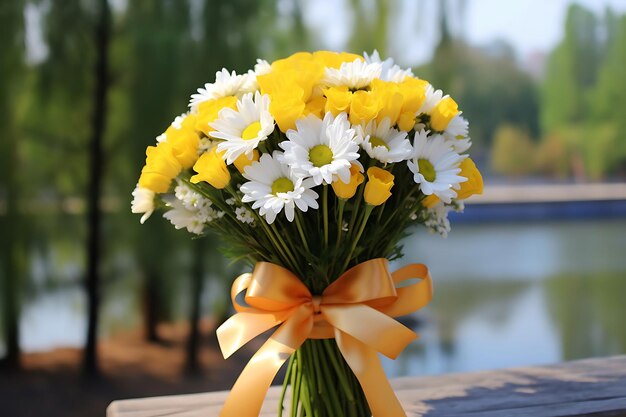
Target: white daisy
273 186
262 67
178 121
435 166
226 84
432 97
355 75
243 129
457 134
322 149
390 71
384 143
143 202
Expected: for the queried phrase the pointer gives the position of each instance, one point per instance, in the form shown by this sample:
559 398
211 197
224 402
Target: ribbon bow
356 310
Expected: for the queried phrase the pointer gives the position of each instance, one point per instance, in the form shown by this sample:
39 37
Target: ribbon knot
356 310
315 302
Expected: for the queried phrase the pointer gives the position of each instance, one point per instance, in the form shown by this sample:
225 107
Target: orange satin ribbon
356 310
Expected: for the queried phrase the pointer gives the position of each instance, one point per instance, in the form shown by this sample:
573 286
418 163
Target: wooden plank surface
590 387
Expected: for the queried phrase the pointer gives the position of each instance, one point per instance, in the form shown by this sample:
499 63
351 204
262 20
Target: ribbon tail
366 366
247 395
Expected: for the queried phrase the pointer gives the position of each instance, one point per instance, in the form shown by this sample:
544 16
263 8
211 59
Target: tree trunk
11 260
11 240
94 214
151 305
197 286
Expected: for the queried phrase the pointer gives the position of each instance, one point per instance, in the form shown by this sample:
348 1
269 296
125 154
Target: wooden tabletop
590 387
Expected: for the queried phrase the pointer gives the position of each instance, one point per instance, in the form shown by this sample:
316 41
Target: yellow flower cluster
293 85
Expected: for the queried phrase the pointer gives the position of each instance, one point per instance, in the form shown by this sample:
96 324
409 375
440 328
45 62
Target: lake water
519 294
505 295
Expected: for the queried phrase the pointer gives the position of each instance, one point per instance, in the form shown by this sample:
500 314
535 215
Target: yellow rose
474 183
338 99
160 169
348 190
442 113
189 122
379 183
209 110
413 92
184 142
243 161
334 59
299 69
287 106
406 121
364 107
212 169
315 106
390 100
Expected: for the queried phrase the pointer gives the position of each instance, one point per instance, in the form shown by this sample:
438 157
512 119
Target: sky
529 25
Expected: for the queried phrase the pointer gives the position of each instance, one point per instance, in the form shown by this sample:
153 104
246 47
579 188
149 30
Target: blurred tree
486 82
11 247
94 189
553 156
608 100
512 152
154 47
571 71
370 26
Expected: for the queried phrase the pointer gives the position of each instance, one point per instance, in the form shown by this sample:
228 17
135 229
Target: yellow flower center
252 131
376 142
282 185
427 169
320 155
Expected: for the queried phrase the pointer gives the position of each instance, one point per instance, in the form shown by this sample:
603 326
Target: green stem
301 231
342 205
325 213
333 402
343 381
355 211
296 379
368 211
281 400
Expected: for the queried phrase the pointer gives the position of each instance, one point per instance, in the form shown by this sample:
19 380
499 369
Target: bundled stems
322 391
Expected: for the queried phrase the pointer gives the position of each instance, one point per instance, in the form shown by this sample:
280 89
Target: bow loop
275 288
367 282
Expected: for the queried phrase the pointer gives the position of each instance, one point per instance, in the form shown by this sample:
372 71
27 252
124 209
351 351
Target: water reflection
505 295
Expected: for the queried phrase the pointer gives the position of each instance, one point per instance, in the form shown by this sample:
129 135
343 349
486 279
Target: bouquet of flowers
312 169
